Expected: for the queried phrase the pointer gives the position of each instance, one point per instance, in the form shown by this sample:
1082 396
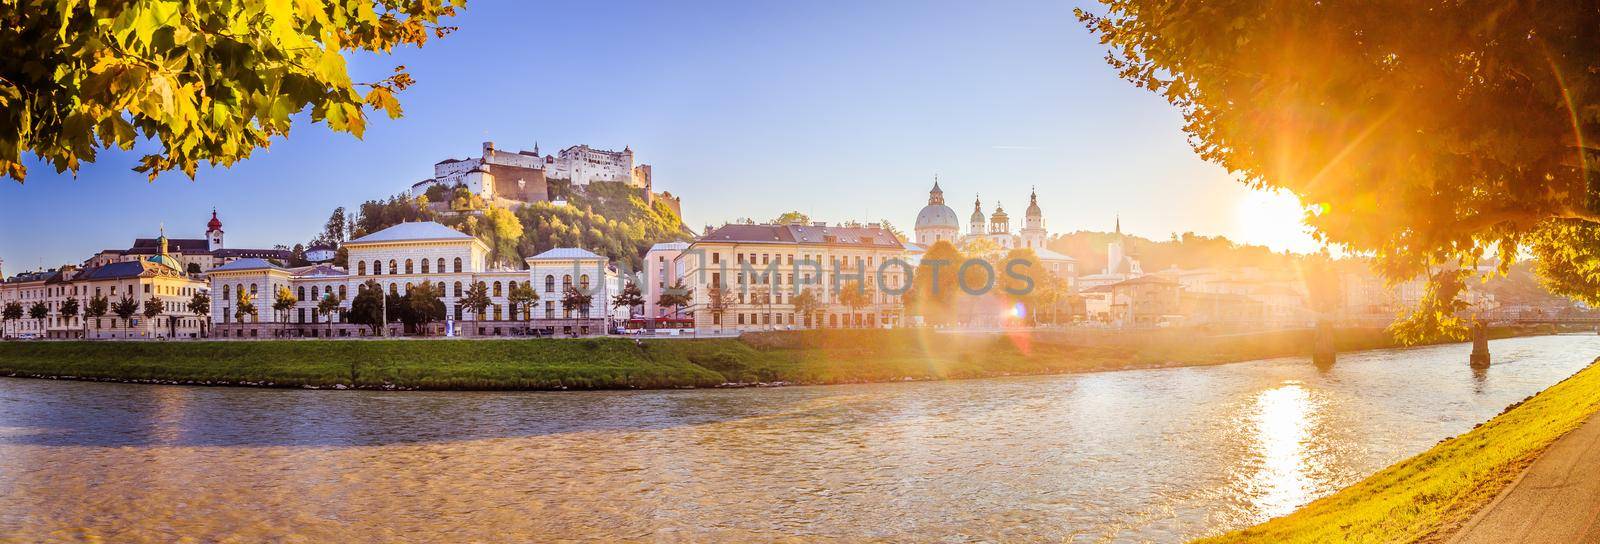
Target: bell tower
214 232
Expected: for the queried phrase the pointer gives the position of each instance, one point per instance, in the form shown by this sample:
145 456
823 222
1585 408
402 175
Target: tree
792 218
1020 278
245 306
125 308
98 305
207 81
806 304
719 299
200 306
628 298
503 232
152 308
367 307
283 300
522 298
12 312
69 307
854 295
477 299
333 231
675 297
423 306
297 256
327 307
574 299
38 312
935 284
1431 135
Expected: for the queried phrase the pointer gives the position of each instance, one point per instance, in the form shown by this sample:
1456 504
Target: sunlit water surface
1156 455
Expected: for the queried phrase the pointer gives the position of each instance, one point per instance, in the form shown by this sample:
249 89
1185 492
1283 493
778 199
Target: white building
662 270
406 255
523 176
747 277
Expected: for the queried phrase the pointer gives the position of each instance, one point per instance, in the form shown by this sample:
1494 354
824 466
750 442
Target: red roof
214 224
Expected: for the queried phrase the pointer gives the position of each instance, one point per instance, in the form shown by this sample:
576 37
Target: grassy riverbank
810 357
1425 498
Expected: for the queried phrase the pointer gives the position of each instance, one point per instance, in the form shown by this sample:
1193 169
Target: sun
1274 219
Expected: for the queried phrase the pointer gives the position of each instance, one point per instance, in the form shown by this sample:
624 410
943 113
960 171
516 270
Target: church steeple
936 196
978 223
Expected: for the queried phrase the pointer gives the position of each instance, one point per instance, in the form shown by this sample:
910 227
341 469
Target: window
549 283
424 266
440 268
301 293
497 289
394 267
566 281
226 291
394 290
584 282
458 264
458 290
361 268
408 266
716 258
341 292
377 267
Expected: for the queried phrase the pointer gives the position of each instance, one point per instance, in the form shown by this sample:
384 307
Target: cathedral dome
936 216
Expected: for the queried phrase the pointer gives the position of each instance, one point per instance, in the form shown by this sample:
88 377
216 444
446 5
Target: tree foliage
126 307
38 311
97 307
69 307
675 297
629 298
367 307
153 307
12 312
1427 134
477 298
207 81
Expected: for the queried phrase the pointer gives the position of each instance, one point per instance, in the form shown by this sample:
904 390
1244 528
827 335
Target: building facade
748 277
405 256
145 298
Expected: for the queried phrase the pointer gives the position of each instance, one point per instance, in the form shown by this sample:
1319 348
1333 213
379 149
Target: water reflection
1282 428
1153 455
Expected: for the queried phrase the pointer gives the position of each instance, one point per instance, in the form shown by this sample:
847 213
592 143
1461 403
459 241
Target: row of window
394 267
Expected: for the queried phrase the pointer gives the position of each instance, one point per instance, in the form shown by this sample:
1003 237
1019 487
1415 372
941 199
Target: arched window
441 289
511 286
584 281
227 290
425 266
458 264
566 281
300 293
394 267
409 270
394 289
458 289
252 289
440 268
497 288
361 268
377 267
314 293
549 283
341 292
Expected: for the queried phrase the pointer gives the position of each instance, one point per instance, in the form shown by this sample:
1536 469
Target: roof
805 234
279 254
670 246
1141 280
565 254
318 271
247 264
26 277
322 247
1047 255
937 216
125 269
408 232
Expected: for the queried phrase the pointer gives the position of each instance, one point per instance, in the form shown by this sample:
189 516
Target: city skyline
868 111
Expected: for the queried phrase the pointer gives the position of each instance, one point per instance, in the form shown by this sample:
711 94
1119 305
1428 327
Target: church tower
978 224
1033 233
937 222
214 232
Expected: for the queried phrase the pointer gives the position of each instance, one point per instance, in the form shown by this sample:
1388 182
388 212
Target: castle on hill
515 177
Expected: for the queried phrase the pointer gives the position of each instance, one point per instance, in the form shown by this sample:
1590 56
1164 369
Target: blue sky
842 110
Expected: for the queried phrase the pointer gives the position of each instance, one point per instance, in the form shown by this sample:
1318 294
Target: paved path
1556 500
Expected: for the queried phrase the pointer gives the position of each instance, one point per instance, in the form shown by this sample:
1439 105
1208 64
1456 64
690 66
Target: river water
1150 455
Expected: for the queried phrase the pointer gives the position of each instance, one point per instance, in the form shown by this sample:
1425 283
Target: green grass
1424 498
806 357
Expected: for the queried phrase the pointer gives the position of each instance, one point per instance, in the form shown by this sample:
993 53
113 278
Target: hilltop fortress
513 177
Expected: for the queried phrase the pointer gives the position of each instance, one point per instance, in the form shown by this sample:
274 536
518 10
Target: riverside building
158 287
407 255
747 277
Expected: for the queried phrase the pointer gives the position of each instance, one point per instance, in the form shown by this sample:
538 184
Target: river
1148 455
